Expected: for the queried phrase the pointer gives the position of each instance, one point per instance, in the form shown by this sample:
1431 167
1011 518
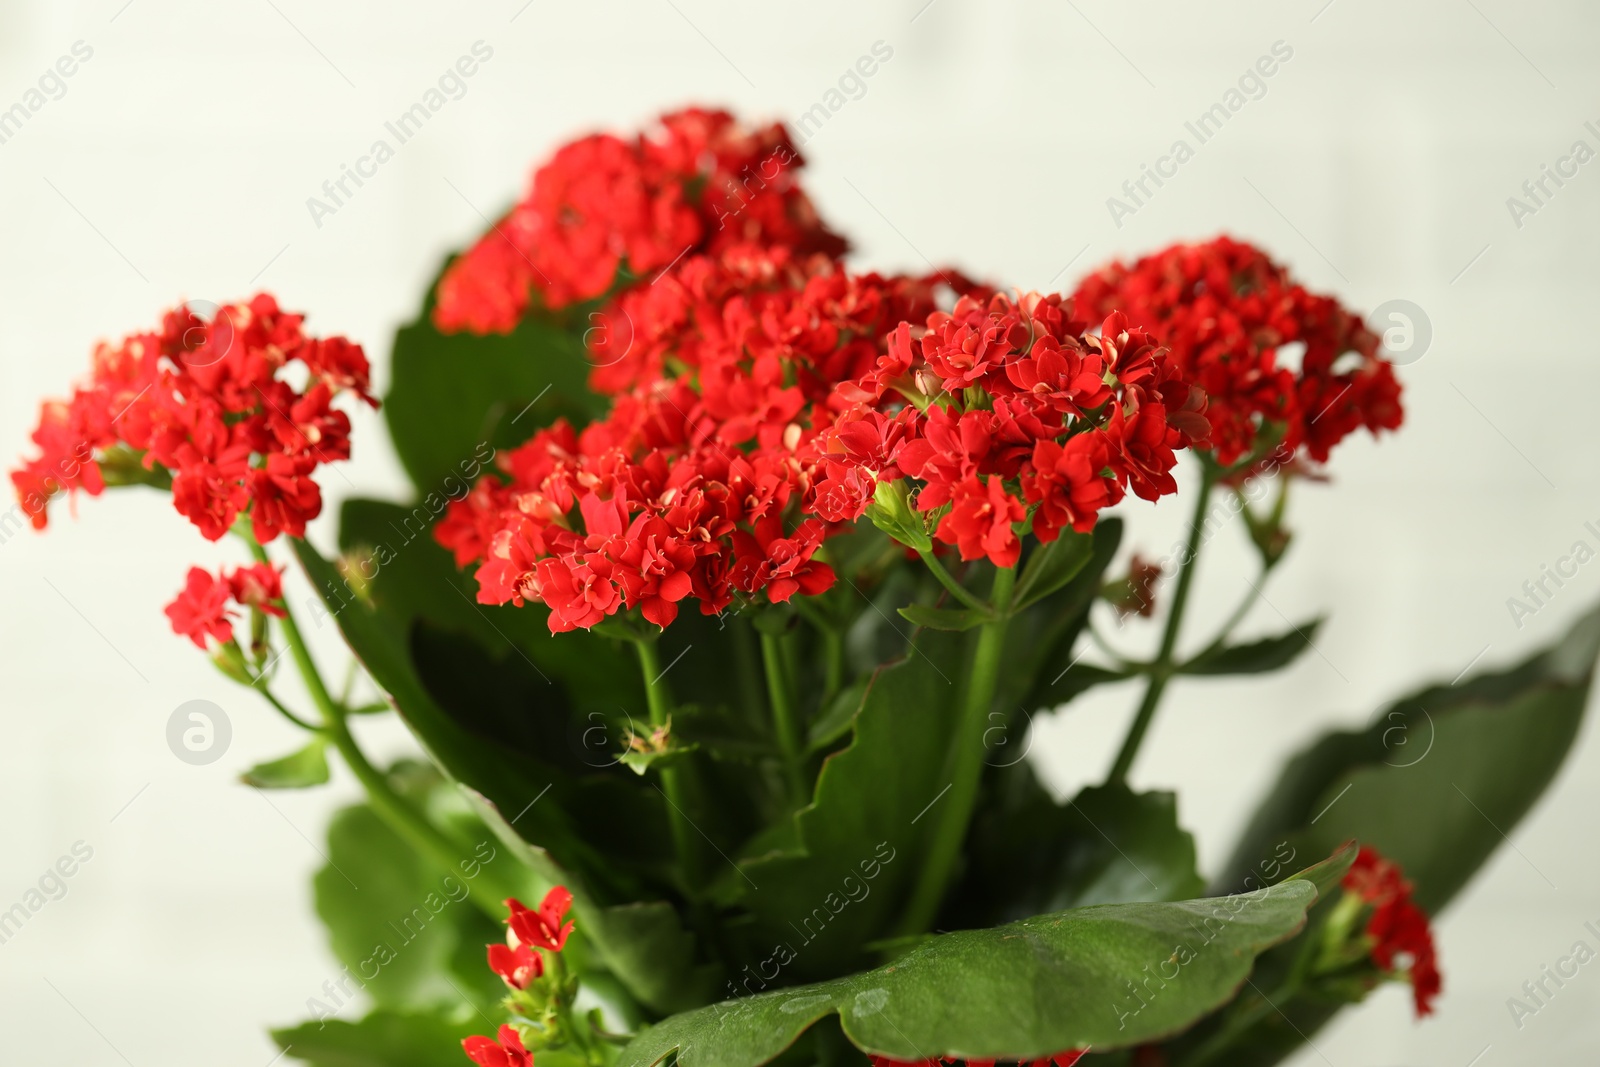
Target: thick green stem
957 590
1161 669
405 820
785 721
952 812
659 700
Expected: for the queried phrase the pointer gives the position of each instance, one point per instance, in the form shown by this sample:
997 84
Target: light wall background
1378 163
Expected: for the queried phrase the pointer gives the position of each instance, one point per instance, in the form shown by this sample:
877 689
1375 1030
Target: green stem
285 712
833 646
1162 668
953 813
404 819
659 700
784 719
1234 619
957 590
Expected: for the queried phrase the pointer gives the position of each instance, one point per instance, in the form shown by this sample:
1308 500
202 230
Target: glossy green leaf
1256 657
952 619
1440 779
1108 976
300 769
1051 566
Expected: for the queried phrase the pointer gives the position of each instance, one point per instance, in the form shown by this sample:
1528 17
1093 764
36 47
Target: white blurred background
1378 163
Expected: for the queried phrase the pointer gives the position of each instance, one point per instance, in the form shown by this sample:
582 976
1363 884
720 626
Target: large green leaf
1108 845
453 398
1108 976
1438 780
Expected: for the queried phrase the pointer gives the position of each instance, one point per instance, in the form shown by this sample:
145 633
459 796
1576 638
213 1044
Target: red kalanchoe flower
1230 316
258 586
541 928
202 403
516 966
507 1052
1402 940
605 210
201 610
979 522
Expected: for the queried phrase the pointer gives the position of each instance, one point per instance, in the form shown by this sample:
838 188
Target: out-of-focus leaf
1268 654
300 769
952 619
1439 779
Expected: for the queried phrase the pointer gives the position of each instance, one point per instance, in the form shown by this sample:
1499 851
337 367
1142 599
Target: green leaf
952 619
1019 991
1438 780
382 1039
1108 845
835 720
403 926
855 847
298 770
1257 657
454 399
1052 566
1040 669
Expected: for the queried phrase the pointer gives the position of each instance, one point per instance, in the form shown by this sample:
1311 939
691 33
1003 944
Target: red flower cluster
518 963
1399 931
696 182
1008 411
203 402
201 610
1227 312
527 929
699 482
